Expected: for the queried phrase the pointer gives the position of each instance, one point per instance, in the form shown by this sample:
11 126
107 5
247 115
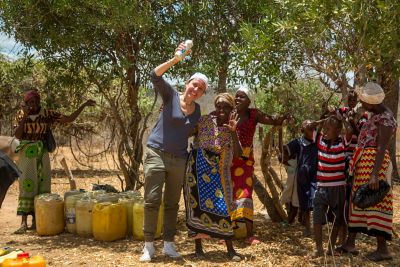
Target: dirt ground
281 245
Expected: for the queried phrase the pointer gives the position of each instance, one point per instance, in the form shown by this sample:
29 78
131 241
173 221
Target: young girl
304 150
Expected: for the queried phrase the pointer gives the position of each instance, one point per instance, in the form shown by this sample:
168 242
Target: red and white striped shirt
331 161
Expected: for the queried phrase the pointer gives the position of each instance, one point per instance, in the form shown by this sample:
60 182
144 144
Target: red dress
242 170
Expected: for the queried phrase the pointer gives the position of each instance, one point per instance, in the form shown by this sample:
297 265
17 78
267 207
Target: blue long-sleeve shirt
171 131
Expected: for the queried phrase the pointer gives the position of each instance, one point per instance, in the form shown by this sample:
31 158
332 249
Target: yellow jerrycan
84 210
70 212
128 203
241 231
138 218
23 260
109 221
49 213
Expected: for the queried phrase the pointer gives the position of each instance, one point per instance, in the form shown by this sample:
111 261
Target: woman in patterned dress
243 166
207 184
371 163
33 122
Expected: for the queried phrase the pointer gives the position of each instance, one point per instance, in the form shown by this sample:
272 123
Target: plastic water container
128 203
70 212
180 54
96 193
23 260
49 212
109 221
130 194
84 210
138 219
241 231
9 255
108 197
72 193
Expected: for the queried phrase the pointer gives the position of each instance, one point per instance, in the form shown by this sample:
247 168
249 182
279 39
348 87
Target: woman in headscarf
243 166
207 184
371 163
33 122
165 160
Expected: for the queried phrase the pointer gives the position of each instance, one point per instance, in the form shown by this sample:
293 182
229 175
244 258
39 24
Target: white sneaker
170 251
148 251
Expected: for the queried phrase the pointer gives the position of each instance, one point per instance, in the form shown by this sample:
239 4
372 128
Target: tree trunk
223 69
390 85
222 80
265 163
266 200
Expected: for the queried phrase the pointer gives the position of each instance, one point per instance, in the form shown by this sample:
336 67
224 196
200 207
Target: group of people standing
217 174
335 157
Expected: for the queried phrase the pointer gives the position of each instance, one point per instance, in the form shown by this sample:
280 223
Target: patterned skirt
207 193
34 163
375 220
242 178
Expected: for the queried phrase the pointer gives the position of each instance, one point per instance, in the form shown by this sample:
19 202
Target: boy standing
331 181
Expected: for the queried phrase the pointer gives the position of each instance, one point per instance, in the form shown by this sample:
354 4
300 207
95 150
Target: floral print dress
207 183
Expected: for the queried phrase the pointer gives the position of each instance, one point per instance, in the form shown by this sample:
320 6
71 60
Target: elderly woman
165 159
243 166
33 122
207 185
371 163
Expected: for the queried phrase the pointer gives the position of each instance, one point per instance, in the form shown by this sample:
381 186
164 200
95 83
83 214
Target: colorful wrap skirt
376 220
34 163
242 179
208 194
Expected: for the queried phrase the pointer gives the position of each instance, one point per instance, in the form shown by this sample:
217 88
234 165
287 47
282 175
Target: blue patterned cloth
206 185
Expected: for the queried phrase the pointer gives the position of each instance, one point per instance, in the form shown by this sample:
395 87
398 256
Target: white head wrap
245 90
371 93
201 77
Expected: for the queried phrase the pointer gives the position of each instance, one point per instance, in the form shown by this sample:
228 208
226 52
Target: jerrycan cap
23 255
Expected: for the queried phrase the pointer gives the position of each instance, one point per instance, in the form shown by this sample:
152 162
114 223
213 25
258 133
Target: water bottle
181 53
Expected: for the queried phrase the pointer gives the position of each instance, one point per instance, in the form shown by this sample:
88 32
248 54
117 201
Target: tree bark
265 163
390 85
223 69
266 200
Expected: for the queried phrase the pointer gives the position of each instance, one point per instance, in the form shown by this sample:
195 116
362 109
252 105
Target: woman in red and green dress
33 122
242 169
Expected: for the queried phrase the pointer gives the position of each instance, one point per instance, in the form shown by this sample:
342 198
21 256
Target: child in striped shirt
331 180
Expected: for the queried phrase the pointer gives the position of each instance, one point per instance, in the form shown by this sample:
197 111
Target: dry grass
281 245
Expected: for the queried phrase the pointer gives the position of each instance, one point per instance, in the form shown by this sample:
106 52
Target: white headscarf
201 77
245 90
371 93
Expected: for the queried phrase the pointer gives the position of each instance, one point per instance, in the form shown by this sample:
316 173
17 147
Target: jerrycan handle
23 255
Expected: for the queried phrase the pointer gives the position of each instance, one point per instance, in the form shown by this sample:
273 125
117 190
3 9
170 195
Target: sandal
234 256
252 240
21 230
344 250
201 236
376 257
